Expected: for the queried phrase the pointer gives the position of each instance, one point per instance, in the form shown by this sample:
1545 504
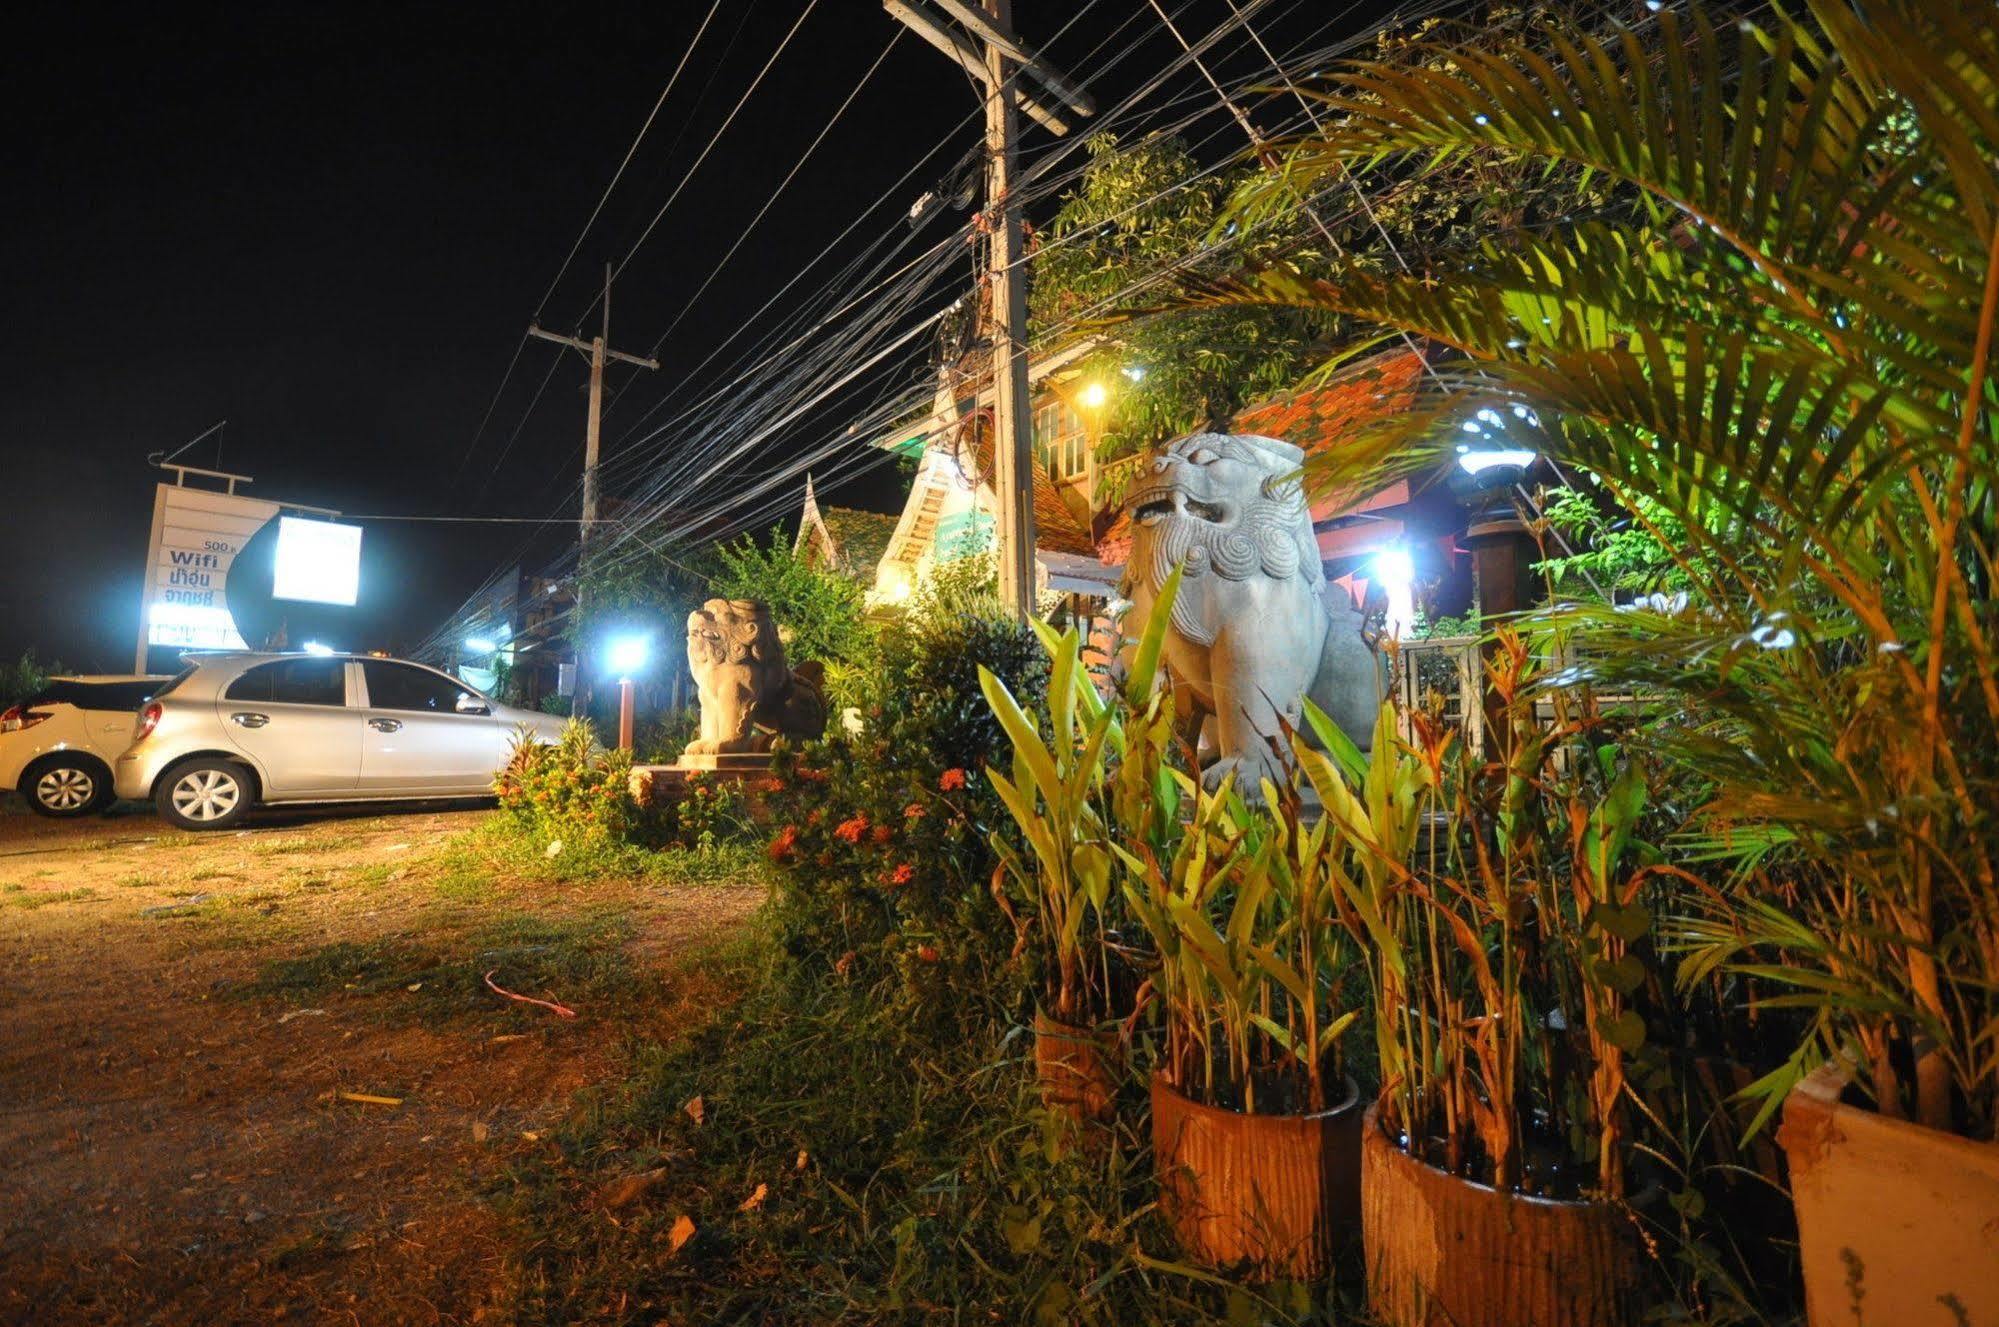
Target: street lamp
627 655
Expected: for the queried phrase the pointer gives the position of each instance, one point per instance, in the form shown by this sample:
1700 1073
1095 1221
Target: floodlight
627 655
318 562
480 645
314 647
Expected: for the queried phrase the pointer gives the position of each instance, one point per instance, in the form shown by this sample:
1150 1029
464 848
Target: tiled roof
1315 420
1056 528
859 537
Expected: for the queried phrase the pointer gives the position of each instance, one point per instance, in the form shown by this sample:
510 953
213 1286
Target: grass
578 960
29 902
908 1176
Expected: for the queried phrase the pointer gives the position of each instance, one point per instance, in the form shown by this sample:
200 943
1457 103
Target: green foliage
24 677
572 792
905 1174
1779 351
1139 214
819 612
880 835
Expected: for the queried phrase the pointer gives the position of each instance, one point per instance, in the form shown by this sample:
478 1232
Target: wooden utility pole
599 350
997 58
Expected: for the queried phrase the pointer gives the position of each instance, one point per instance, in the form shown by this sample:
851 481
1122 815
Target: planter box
1280 1193
1446 1252
1898 1225
1077 1068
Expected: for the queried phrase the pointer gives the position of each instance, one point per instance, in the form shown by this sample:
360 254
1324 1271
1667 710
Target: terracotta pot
1446 1252
1898 1224
1077 1068
1278 1192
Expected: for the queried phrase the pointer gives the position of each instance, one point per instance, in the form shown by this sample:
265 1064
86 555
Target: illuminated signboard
196 537
319 562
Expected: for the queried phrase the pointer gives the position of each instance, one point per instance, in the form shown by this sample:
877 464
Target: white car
241 730
57 747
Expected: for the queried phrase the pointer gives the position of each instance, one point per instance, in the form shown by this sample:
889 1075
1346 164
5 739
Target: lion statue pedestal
749 696
1255 627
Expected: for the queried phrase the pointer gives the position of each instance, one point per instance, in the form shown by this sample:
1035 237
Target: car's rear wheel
205 794
65 786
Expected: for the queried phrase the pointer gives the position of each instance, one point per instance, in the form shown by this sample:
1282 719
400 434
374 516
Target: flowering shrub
880 838
574 791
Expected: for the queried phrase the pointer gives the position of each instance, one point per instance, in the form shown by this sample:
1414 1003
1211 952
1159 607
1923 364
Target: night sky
330 223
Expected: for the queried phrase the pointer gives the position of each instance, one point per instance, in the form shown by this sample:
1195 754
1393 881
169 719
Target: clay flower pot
1278 1192
1446 1252
1077 1068
1898 1224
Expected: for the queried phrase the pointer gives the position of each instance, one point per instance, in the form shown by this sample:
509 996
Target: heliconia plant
1499 904
1060 792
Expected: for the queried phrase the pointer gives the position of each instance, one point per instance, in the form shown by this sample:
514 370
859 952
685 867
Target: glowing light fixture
627 655
1094 395
1135 372
480 645
314 647
1396 571
1472 460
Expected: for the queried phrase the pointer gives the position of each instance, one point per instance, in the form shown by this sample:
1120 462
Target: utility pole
987 49
599 350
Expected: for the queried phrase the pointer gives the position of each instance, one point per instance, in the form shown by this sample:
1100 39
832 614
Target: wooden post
627 707
1013 418
598 348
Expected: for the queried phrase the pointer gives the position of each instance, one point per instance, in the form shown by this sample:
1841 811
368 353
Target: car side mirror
470 704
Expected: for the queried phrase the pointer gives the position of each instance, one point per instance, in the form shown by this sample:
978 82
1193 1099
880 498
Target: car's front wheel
205 794
64 787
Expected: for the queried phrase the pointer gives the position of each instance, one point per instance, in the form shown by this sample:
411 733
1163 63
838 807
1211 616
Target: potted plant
1255 1123
1786 351
1499 907
1058 794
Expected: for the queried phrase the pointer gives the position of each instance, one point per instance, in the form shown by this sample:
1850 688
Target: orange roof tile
1315 420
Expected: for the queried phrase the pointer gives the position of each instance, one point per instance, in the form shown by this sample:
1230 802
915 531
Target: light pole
626 656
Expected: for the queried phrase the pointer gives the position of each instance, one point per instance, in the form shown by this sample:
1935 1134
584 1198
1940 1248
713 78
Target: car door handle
249 719
386 725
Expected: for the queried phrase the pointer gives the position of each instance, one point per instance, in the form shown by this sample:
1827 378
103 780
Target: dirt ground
181 1014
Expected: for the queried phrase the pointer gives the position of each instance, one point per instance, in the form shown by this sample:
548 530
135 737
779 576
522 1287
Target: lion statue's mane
749 695
1255 627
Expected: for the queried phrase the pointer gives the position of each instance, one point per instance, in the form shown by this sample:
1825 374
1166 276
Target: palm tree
1784 345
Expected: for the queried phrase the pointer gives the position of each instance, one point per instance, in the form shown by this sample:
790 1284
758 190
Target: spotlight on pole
626 655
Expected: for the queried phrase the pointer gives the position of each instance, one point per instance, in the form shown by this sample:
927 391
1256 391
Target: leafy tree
24 677
1139 215
821 613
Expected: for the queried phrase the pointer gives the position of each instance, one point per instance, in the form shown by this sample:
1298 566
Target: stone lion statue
749 697
1255 627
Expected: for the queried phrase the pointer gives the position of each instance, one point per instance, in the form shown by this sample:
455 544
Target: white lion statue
749 697
1255 627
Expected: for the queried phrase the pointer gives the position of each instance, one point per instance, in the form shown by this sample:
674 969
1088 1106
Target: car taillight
149 719
17 718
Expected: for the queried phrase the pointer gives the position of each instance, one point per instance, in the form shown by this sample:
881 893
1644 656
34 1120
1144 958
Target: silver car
240 730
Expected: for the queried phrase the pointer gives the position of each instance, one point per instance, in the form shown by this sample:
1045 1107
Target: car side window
396 686
293 682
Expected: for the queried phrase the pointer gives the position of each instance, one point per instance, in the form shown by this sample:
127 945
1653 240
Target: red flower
914 811
786 842
902 875
927 953
851 830
952 779
772 785
882 835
